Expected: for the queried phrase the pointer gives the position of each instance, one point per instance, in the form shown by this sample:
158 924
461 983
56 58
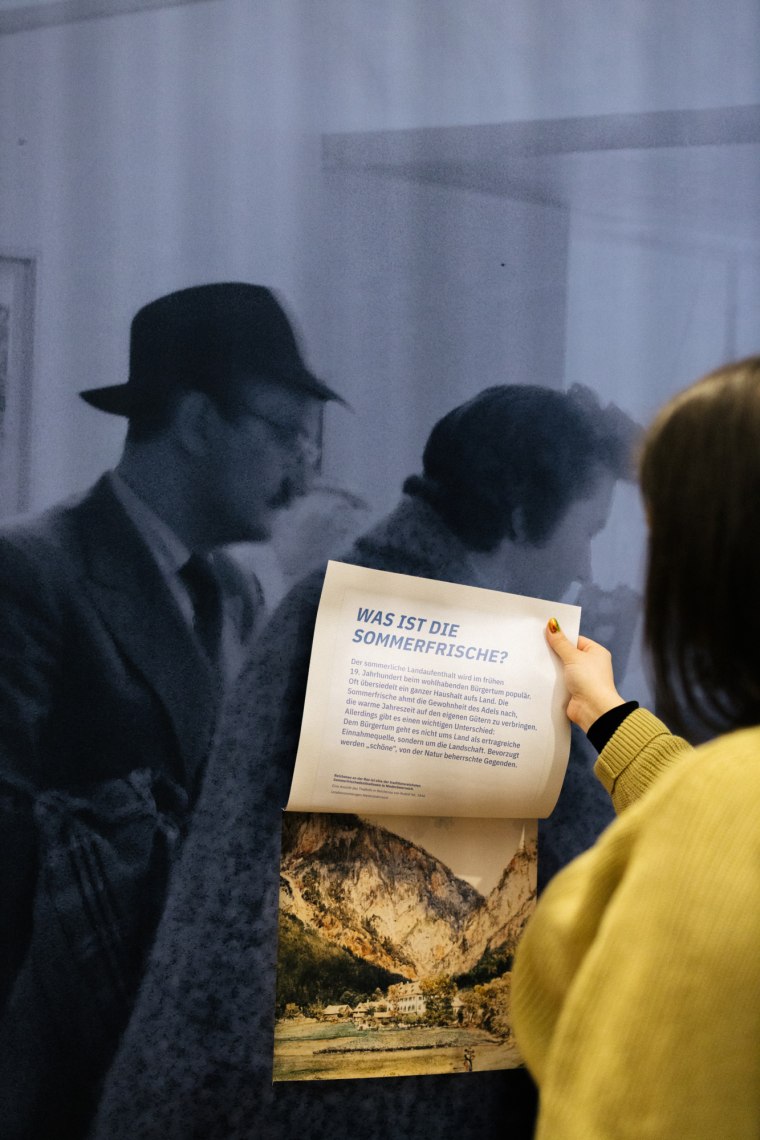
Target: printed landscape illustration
389 964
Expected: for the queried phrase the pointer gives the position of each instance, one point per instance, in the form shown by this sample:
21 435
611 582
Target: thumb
565 650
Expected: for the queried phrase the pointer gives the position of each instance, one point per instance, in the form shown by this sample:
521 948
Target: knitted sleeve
640 750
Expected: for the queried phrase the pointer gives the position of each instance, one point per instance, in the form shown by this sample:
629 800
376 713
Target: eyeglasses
290 435
284 433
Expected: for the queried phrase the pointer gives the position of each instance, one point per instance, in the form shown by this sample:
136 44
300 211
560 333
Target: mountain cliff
393 904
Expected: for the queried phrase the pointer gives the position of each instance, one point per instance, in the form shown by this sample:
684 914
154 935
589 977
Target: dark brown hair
700 478
520 447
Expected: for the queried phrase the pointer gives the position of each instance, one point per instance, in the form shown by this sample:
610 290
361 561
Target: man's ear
195 423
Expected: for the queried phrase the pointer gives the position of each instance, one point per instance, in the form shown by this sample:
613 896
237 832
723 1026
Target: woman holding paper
637 984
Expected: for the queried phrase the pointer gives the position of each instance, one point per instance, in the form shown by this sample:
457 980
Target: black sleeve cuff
605 727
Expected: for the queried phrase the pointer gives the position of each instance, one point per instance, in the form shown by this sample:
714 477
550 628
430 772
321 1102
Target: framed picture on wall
17 285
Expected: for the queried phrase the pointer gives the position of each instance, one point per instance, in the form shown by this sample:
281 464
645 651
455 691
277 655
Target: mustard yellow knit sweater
636 988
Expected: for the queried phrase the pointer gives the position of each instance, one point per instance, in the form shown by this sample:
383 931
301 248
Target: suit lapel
138 608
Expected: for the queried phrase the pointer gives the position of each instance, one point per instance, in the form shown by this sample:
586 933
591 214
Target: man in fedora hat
121 626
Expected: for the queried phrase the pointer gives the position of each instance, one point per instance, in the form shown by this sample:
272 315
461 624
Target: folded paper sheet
433 736
430 698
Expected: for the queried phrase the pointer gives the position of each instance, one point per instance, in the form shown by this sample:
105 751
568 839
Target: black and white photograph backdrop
445 197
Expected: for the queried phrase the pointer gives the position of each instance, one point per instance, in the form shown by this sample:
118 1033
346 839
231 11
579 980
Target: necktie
206 596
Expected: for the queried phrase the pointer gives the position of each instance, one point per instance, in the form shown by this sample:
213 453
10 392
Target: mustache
285 495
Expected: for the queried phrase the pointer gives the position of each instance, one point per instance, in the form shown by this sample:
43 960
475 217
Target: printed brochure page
429 698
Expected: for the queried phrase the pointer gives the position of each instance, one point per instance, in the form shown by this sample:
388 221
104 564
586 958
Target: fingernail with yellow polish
553 625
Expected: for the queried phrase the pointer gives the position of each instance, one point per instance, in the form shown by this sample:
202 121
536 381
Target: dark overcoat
196 1060
107 708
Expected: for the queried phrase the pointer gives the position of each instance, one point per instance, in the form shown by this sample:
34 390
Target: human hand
588 675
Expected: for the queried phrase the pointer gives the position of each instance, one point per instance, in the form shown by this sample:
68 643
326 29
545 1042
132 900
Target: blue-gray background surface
447 195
